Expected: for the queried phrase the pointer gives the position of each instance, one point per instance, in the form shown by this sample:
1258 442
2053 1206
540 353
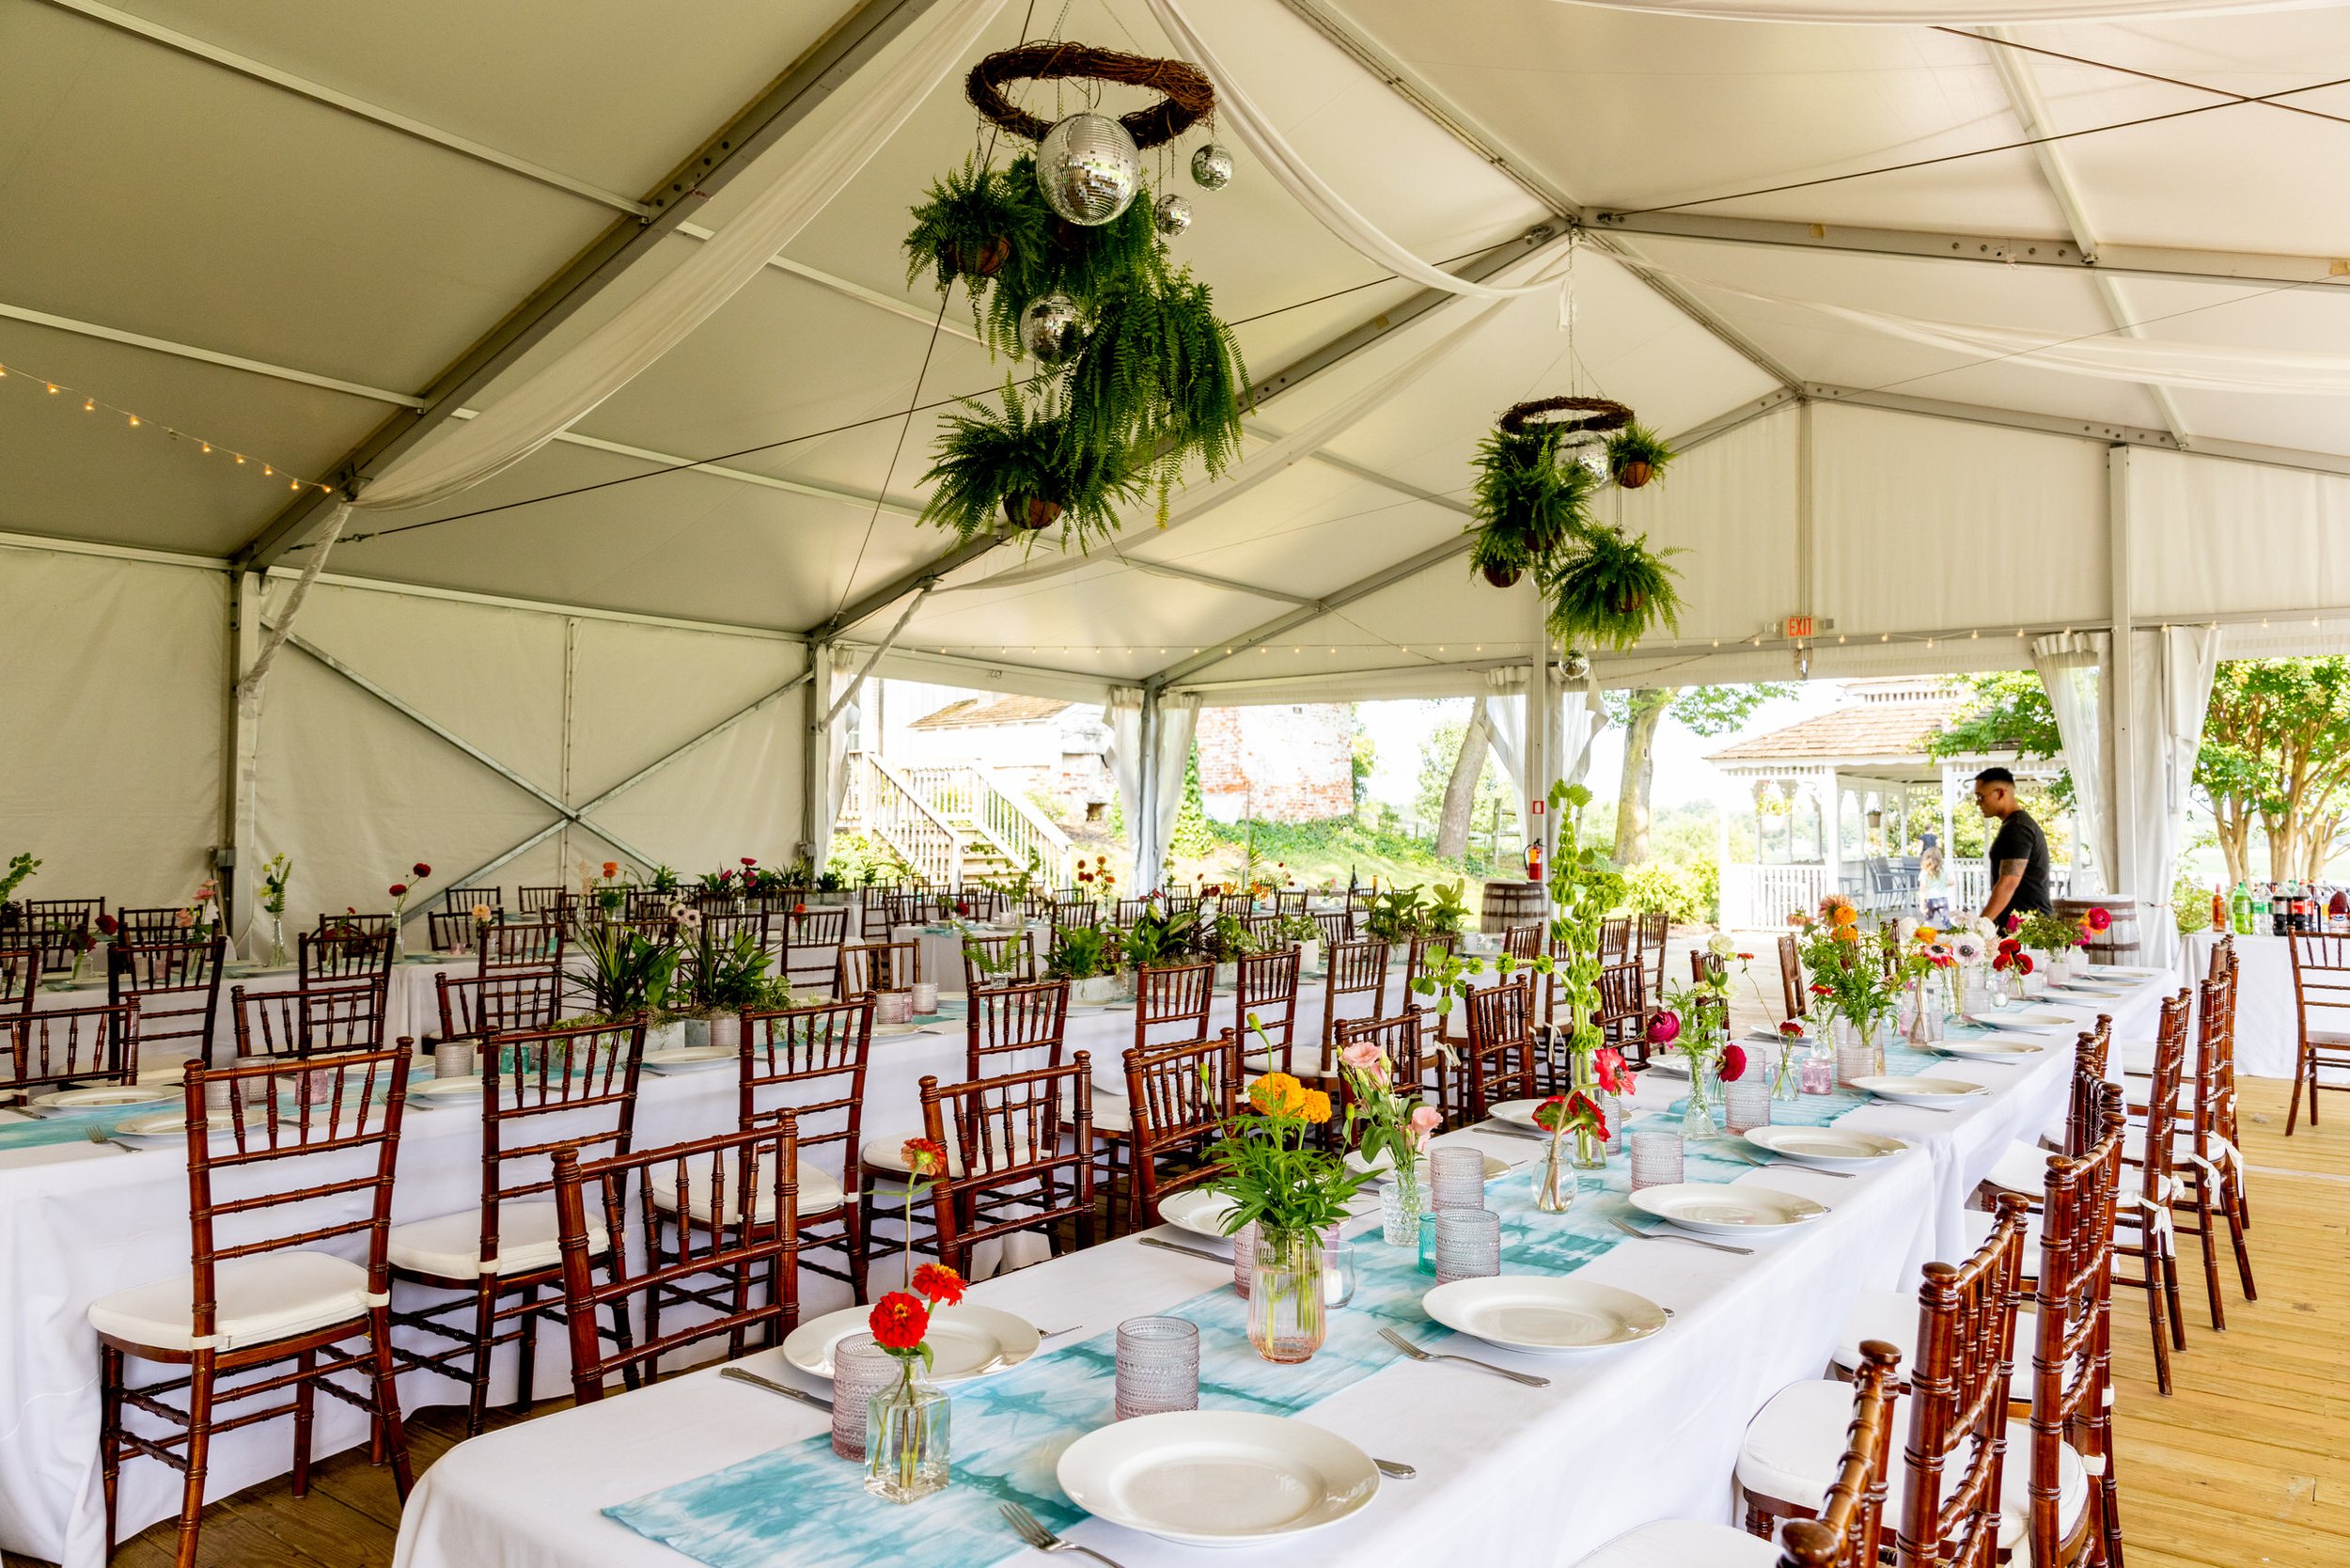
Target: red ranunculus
108 924
2003 960
1733 1063
962 907
1664 1029
799 909
1791 1029
749 860
2023 964
939 1284
2100 920
2011 947
399 889
420 871
899 1322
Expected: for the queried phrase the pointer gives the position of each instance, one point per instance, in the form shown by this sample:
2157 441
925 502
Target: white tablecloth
74 1227
1658 1425
2268 1030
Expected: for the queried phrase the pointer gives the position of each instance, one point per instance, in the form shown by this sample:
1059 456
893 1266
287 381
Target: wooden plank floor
2248 1463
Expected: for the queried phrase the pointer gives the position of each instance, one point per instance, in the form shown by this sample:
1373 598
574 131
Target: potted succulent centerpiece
1081 955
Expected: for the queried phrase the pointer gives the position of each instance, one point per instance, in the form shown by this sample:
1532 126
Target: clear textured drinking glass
1655 1157
1338 1274
1158 1365
1457 1176
860 1370
1469 1243
1746 1099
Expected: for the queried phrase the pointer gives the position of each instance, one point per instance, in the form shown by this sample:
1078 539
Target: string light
132 420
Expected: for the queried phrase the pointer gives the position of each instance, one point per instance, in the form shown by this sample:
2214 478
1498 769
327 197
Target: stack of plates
1993 1049
1217 1478
1543 1315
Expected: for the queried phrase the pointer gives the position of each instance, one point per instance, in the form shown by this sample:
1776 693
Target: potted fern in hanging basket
1022 460
1528 505
1636 454
1611 592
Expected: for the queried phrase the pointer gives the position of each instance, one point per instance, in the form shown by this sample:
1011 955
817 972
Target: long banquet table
81 1219
1621 1438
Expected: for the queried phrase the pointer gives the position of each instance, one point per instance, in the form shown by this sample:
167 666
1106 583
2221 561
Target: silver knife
739 1375
1186 1252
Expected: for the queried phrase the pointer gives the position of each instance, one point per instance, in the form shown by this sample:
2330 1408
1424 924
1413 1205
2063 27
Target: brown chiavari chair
60 939
262 1291
1615 939
2143 1227
1171 1004
338 958
869 968
1409 1040
1849 1532
807 944
1011 1028
453 931
738 1197
20 979
873 920
504 1001
1075 912
1499 1065
1351 971
1522 944
1005 1171
1265 988
1794 987
1182 1096
2210 1165
1623 1011
353 924
2224 1109
1654 932
1707 968
69 1046
808 1062
2070 1501
1358 904
463 900
177 985
1264 932
77 912
1337 926
522 944
1007 959
324 1019
542 901
505 1254
1131 910
161 924
647 903
1950 1503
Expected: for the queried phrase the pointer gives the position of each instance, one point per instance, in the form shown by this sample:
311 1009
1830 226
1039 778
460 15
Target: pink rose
1425 1120
1362 1056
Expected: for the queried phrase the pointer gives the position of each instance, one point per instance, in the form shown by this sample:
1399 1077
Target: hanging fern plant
1610 591
1160 376
1635 455
1022 463
1529 505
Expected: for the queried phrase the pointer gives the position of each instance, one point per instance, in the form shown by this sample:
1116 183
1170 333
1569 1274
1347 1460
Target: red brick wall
1283 763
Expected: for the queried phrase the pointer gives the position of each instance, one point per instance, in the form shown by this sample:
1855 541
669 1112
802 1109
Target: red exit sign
1800 627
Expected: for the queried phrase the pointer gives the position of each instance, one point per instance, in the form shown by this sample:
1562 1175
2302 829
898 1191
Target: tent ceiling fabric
156 193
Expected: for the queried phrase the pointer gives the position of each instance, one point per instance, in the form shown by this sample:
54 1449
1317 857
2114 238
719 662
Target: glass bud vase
1697 1112
1285 1306
1590 1150
906 1436
1556 1180
1401 1200
1787 1072
277 959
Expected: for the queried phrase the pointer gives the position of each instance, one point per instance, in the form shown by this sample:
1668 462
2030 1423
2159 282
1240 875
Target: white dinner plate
2035 1022
1383 1164
1217 1478
1672 1064
1772 1037
2132 971
1831 1148
1543 1314
1711 1209
883 1031
1199 1211
172 1126
1988 1050
105 1097
1519 1113
967 1341
692 1058
1902 1089
465 1087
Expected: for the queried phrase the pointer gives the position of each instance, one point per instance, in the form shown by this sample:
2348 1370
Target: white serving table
2267 1025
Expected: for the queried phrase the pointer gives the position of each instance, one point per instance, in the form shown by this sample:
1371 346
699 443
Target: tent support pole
2121 691
236 859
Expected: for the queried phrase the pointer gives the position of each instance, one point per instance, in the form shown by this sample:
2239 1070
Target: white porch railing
980 797
883 803
1764 895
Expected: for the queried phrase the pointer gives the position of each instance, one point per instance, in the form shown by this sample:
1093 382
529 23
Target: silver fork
1419 1354
1028 1528
1631 1229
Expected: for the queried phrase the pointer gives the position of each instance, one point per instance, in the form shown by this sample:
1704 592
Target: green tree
1452 803
1705 710
1364 753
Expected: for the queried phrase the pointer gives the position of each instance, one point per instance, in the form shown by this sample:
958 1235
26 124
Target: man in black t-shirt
2019 851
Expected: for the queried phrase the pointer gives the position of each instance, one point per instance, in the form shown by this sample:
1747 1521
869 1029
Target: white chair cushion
889 1153
1886 1315
2135 1057
450 1247
274 1295
1112 1113
1975 1226
1796 1445
2022 1167
818 1191
1683 1543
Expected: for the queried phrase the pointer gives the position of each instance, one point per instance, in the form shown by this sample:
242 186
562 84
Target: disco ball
1050 329
1575 665
1172 215
1211 167
1088 168
1592 455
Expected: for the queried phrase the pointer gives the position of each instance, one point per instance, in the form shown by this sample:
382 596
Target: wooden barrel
2119 944
1510 904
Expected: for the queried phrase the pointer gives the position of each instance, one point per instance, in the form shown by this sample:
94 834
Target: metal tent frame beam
809 83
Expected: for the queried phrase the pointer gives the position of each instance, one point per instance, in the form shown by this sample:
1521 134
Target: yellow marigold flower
1927 934
1274 1089
1317 1105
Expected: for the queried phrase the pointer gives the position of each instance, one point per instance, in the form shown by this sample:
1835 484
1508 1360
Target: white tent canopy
321 236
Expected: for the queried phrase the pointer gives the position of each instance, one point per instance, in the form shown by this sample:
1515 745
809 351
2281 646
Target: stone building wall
1285 762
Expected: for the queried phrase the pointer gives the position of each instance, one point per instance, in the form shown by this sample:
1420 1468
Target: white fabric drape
1123 716
842 735
1955 12
568 387
2071 667
1282 452
1177 725
1254 130
1581 717
2170 673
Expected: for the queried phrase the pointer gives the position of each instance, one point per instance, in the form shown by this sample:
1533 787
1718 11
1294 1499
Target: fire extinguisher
1534 861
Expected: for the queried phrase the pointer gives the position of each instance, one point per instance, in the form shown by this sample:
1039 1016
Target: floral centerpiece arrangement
1853 987
2059 937
1389 1125
1584 885
1290 1192
1694 1024
1081 955
907 1435
21 867
1577 1112
200 916
400 891
275 872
